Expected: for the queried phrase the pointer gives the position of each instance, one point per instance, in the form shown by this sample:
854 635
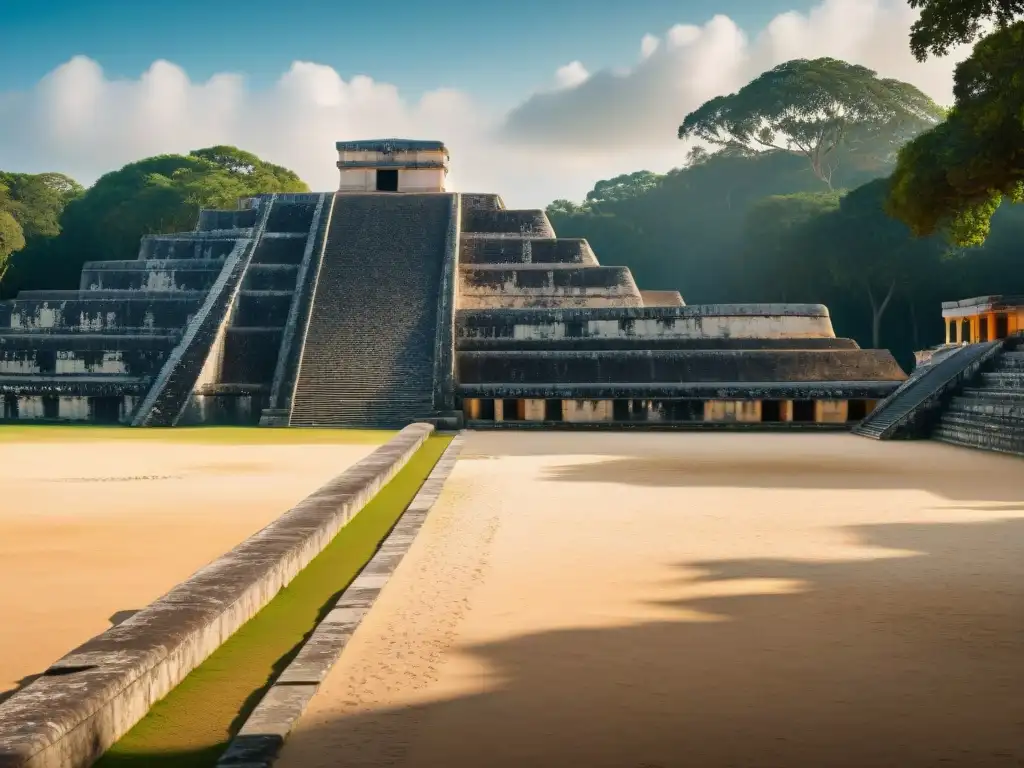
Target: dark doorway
552 410
620 410
803 410
771 410
982 329
1002 326
856 410
10 406
106 410
486 410
510 410
51 407
387 181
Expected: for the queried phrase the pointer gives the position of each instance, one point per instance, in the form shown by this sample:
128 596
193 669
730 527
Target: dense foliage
947 23
152 196
761 228
953 178
812 108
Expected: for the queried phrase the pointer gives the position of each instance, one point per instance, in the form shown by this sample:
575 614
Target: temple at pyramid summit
392 300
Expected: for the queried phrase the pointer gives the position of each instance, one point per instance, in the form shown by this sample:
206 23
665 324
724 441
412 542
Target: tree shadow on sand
909 658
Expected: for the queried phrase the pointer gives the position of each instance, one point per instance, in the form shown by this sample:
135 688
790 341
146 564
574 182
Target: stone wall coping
92 696
669 390
391 145
261 737
554 315
982 304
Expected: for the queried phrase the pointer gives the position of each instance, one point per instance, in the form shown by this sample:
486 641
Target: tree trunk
877 310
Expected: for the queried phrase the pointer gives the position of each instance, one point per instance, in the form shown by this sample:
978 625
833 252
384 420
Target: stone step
532 222
1010 361
983 406
271 277
969 434
474 250
188 245
1005 380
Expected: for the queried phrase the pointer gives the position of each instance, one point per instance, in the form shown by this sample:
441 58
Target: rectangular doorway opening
856 410
1002 326
553 410
803 410
620 410
771 410
387 181
486 410
10 406
106 410
510 410
51 407
982 329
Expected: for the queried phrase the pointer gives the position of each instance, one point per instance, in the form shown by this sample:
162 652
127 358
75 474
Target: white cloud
571 75
555 143
648 45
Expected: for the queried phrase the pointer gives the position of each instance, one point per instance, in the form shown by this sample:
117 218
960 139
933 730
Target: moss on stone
192 726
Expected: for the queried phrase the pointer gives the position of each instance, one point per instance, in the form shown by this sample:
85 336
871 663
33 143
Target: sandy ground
92 530
644 601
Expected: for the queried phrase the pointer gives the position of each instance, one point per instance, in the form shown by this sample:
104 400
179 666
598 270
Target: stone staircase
911 409
369 352
989 412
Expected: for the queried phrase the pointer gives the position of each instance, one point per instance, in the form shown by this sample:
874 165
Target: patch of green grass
28 433
193 724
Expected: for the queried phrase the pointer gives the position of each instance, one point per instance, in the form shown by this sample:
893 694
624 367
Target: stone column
533 410
831 411
785 410
992 334
499 409
948 322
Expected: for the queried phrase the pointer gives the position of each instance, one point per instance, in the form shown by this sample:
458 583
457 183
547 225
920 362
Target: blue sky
479 75
490 49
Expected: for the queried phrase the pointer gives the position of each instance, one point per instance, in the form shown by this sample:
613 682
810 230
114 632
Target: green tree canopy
11 239
153 196
36 201
947 23
810 108
955 176
623 187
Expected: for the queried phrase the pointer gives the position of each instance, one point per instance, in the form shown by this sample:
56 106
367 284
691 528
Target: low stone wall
150 275
763 321
193 246
481 249
101 314
535 286
87 700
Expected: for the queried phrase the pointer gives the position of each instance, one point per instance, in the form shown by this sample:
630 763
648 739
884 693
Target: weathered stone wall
480 249
519 223
530 286
648 366
194 246
213 221
140 313
250 355
262 309
153 275
596 343
270 277
280 250
762 321
662 299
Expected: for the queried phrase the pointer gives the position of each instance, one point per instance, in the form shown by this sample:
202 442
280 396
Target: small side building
983 318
